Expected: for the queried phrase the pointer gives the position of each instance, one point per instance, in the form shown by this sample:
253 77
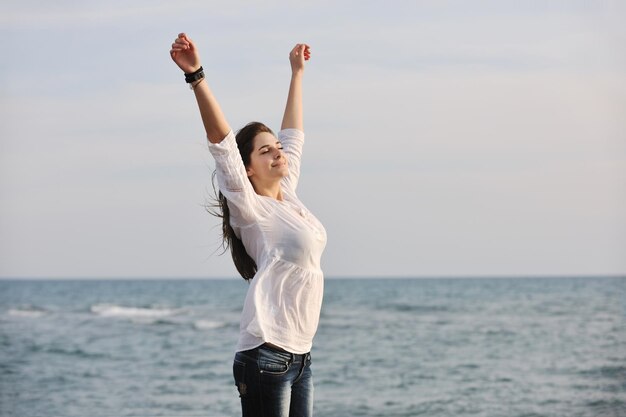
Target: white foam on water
26 312
112 310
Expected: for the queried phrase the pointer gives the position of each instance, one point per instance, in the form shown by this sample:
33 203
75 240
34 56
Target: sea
488 347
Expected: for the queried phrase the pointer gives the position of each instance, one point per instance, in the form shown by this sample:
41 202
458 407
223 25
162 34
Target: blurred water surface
385 347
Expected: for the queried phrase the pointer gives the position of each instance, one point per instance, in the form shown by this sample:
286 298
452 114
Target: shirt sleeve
233 181
293 142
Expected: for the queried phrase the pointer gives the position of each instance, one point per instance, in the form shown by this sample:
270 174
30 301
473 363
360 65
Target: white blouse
285 240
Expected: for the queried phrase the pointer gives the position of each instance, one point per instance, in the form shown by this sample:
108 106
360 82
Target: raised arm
292 119
186 56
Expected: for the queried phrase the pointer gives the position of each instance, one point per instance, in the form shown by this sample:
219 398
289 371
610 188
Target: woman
275 241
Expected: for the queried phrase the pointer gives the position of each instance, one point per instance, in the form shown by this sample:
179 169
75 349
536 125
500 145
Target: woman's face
268 163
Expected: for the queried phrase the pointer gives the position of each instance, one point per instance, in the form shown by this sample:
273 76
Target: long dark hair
243 262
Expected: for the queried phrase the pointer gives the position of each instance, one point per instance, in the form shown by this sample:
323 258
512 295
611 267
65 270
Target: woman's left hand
300 53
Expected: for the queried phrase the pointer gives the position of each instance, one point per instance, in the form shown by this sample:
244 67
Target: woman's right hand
185 54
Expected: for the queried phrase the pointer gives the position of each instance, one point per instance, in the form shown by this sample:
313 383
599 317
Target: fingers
178 47
185 54
182 42
301 49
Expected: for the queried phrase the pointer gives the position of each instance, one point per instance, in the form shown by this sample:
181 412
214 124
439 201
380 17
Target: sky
444 138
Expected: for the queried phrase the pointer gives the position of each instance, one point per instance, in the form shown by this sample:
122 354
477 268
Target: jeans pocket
239 373
274 362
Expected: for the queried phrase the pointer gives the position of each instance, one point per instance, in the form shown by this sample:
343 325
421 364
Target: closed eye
265 148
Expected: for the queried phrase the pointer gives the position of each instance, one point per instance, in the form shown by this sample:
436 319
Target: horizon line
339 277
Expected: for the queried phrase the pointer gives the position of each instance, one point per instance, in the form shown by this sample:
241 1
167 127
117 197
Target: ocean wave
75 352
158 322
415 308
607 371
208 324
27 311
113 310
496 332
607 407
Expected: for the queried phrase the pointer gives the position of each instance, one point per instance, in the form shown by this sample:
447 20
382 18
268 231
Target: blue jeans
274 383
